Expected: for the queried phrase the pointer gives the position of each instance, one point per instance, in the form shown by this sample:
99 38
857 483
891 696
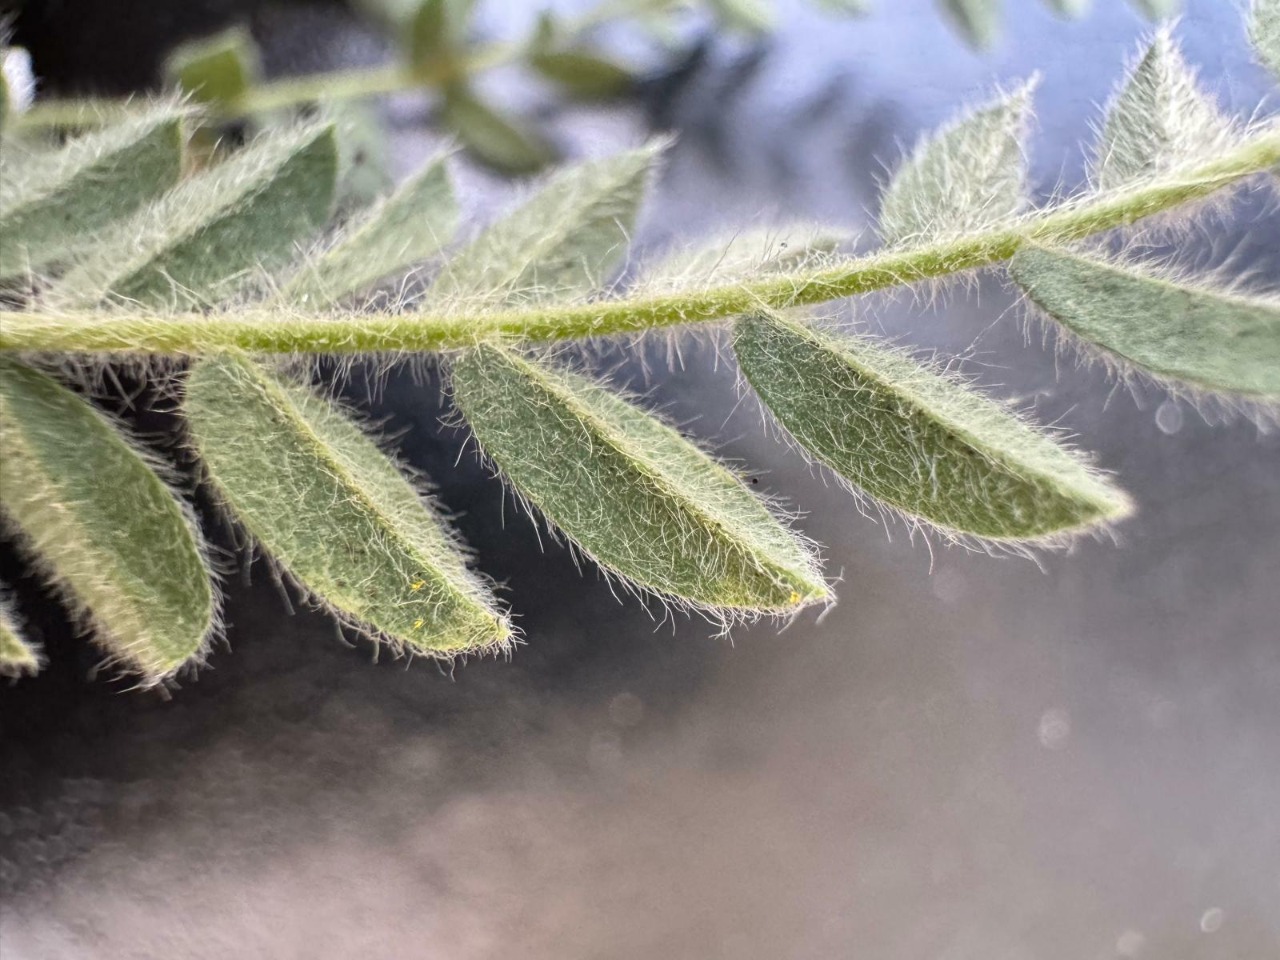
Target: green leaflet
563 242
363 177
978 20
218 69
1210 340
17 655
586 76
335 512
644 503
49 207
917 440
1157 9
572 66
412 224
629 491
102 525
436 34
1158 121
1264 32
969 176
503 144
195 245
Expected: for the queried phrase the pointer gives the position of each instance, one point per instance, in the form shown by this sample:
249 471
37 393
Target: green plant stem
267 330
79 114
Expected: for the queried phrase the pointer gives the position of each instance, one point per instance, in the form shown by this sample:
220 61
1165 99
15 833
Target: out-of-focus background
969 757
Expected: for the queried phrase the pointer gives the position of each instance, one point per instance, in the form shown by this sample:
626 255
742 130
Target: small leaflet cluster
358 534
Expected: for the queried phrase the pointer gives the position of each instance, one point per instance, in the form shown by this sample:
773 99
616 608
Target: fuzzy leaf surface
978 20
1264 32
969 176
916 440
49 204
744 256
629 491
1210 340
335 512
17 654
194 245
1159 120
563 242
102 525
412 224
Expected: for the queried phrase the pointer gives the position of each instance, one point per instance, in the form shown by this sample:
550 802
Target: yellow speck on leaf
417 624
417 585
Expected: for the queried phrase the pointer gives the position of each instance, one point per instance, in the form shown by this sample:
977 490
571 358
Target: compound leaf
969 176
1172 331
412 224
562 242
102 525
917 440
48 207
194 245
629 491
1158 121
335 512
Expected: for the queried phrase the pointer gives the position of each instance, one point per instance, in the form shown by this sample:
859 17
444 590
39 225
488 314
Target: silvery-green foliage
647 505
1159 119
52 201
1264 32
102 526
1182 333
413 223
337 515
917 439
562 242
194 244
18 655
335 512
968 176
629 491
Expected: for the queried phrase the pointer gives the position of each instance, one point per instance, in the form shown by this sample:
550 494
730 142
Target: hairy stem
267 330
